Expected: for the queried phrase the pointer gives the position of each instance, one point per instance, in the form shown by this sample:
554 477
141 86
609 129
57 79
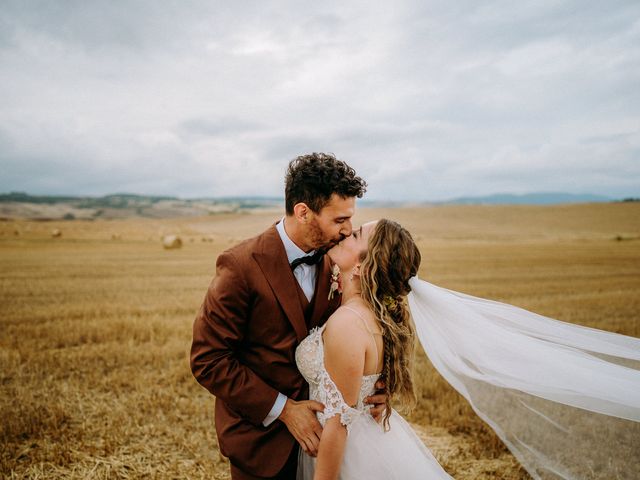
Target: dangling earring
335 281
353 272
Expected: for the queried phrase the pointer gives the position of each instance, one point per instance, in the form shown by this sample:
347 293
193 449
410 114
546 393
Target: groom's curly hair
313 178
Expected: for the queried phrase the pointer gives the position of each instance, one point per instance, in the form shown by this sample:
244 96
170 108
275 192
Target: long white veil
565 399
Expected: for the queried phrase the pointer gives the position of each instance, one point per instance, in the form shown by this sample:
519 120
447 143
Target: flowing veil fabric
565 399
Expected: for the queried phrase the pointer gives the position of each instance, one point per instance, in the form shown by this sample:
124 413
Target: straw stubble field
95 328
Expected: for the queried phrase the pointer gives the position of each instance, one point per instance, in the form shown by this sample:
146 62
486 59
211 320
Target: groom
269 291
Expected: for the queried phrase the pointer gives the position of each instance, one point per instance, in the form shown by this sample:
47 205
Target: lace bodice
310 361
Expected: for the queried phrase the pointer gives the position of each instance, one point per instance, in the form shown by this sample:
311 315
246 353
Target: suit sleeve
218 332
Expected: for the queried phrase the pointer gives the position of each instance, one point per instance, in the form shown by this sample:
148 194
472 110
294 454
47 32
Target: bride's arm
344 358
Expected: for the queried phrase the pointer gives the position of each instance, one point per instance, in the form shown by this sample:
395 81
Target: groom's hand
378 401
300 418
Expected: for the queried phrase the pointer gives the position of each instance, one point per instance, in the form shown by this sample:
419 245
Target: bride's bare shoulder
345 347
345 325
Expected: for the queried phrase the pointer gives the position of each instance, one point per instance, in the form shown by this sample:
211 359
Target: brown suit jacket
243 350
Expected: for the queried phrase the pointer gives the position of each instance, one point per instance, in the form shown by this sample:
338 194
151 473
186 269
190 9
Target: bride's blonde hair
391 259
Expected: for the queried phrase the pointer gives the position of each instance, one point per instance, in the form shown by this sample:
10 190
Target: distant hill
539 198
124 205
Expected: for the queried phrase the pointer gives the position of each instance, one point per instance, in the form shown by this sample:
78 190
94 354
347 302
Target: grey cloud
287 147
425 99
213 127
96 25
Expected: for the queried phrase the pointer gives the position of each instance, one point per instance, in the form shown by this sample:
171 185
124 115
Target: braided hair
391 259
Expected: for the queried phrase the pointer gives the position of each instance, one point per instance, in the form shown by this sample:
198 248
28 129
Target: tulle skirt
371 453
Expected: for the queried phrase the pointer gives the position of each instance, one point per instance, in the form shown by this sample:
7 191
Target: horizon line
504 195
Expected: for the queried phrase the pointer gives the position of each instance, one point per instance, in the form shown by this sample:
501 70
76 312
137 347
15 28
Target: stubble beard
319 240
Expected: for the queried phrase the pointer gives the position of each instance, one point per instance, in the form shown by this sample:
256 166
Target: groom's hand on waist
378 401
300 418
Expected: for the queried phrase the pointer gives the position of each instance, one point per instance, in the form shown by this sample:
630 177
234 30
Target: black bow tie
308 259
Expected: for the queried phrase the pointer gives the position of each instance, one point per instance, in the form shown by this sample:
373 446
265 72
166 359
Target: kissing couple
307 333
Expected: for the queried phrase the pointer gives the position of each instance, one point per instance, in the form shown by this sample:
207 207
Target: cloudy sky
426 99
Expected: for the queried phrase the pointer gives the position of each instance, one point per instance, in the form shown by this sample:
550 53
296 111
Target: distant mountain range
124 205
550 198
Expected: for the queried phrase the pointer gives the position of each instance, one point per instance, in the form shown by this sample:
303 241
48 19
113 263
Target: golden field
95 328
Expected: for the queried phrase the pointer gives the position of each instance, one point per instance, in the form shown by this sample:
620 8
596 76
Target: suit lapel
273 262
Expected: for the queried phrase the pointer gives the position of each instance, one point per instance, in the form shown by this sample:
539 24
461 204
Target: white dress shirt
306 277
305 274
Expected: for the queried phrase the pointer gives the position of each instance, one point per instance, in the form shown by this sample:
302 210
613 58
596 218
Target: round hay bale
56 233
171 241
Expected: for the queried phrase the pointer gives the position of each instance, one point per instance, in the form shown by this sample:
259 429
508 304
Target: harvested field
95 328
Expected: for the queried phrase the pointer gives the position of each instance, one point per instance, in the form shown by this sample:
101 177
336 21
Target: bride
564 399
370 335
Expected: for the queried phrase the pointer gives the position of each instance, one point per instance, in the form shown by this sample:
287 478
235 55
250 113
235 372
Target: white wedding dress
565 399
370 452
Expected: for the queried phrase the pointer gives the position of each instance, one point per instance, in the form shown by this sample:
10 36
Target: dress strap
368 330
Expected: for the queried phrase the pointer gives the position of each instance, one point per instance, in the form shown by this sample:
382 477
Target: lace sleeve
334 403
